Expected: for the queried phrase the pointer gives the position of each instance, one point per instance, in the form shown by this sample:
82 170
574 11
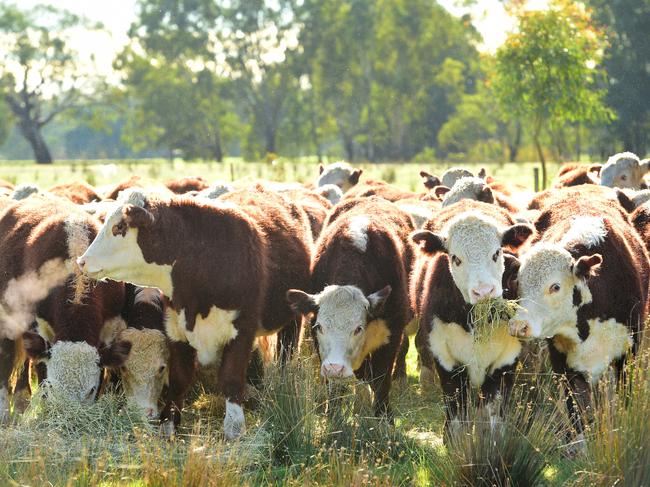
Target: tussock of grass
488 315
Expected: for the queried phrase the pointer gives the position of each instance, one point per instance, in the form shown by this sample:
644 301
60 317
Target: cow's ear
587 265
595 169
378 300
320 169
301 302
354 177
36 346
486 195
441 191
510 273
114 355
137 217
482 173
645 165
429 242
624 200
516 235
429 180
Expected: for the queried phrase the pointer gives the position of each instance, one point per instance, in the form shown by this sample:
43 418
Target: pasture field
296 437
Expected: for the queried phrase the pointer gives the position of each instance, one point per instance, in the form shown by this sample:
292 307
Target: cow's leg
399 372
232 377
425 357
289 340
7 354
182 373
380 378
41 371
455 389
23 389
495 390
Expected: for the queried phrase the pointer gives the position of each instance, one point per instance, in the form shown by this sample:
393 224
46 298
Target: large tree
627 60
547 72
41 76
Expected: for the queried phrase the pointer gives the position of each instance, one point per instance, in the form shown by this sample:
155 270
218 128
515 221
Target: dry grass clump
618 440
489 315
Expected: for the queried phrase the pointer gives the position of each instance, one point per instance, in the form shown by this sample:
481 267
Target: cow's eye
358 330
456 260
120 228
554 288
317 328
161 369
91 392
623 177
496 255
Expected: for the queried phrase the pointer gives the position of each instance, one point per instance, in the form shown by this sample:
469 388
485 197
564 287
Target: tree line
375 80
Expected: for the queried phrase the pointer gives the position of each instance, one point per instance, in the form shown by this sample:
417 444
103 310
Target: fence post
232 171
536 178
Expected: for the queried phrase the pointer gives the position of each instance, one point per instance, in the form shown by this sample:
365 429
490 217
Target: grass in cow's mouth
490 314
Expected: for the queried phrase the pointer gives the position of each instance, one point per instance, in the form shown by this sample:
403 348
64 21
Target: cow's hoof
234 424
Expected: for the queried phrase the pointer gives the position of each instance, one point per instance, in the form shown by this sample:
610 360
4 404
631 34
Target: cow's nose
484 291
81 262
332 370
519 328
151 413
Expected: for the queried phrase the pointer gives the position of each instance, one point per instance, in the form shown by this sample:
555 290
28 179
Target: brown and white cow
218 265
475 189
39 239
187 184
624 170
360 305
78 192
341 174
464 251
583 287
576 174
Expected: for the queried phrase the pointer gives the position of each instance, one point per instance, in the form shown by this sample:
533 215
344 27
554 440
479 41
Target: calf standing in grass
215 264
40 238
361 306
584 287
465 264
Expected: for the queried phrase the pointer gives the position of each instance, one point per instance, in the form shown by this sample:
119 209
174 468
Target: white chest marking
607 341
210 334
452 346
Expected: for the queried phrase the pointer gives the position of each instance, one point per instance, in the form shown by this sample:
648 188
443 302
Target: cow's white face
73 371
340 174
552 288
453 174
470 188
343 325
146 371
115 252
473 242
623 170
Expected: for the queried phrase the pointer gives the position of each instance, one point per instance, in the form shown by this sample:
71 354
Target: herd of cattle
143 283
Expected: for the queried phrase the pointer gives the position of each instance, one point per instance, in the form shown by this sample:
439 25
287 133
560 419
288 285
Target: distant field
99 173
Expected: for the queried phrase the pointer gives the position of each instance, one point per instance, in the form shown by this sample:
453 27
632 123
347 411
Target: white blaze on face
475 256
338 174
344 335
116 254
453 174
331 192
73 371
466 188
546 285
145 372
623 170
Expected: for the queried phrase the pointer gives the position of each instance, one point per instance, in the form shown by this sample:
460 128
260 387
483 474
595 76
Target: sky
490 17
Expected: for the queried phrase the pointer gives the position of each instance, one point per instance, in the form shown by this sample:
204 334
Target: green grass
100 173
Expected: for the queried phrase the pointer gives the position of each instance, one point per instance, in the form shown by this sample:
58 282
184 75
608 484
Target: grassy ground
100 173
295 434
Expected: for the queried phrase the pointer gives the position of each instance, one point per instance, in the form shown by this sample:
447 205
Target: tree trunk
32 133
218 151
270 141
578 143
348 145
513 147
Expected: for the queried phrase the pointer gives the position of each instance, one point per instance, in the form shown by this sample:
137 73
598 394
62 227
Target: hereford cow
39 239
137 182
575 174
340 174
475 189
584 287
464 251
381 189
77 192
360 306
217 265
624 170
187 184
